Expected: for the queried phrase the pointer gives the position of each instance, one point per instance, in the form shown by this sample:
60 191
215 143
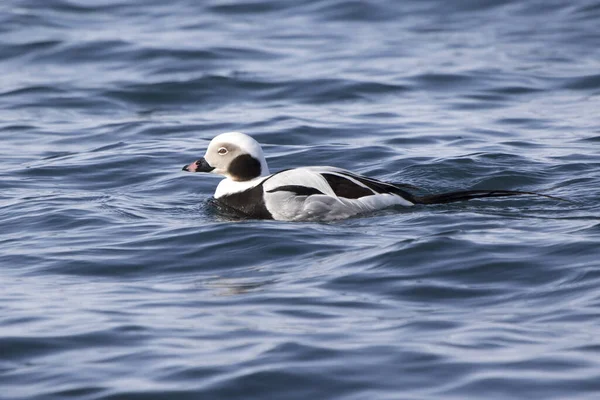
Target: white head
234 155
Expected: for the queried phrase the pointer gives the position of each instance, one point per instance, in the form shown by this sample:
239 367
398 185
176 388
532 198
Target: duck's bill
198 166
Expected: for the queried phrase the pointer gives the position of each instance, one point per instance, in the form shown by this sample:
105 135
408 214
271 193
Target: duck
314 193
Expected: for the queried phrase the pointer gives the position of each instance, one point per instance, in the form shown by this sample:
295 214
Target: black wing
371 186
344 184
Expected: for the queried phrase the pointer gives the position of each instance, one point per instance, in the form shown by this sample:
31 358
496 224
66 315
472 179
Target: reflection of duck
308 193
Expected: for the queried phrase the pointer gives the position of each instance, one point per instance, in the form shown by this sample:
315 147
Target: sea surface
120 278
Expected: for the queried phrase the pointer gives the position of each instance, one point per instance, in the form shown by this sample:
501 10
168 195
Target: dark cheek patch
244 168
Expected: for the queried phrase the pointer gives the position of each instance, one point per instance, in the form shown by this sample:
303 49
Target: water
120 279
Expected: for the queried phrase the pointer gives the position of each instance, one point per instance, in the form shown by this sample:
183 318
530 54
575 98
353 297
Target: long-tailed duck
308 193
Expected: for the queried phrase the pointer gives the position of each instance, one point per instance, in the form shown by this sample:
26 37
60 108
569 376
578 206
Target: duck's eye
222 151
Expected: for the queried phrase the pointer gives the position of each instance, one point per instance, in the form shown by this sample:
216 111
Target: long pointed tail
463 195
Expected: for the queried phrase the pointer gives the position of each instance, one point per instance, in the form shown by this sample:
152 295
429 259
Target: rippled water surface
121 279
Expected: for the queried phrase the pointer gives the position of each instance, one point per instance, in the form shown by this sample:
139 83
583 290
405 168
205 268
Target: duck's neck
229 186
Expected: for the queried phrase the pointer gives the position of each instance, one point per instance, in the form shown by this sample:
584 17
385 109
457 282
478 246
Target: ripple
584 83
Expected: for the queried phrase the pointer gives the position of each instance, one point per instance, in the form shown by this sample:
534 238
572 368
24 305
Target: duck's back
325 193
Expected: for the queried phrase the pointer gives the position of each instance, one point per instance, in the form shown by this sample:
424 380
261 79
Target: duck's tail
463 195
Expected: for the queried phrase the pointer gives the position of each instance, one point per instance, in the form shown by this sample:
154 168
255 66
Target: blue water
121 279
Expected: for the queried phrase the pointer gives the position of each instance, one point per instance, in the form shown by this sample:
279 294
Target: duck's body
310 193
303 194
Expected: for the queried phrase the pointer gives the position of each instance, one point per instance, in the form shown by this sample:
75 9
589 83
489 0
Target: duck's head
233 154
